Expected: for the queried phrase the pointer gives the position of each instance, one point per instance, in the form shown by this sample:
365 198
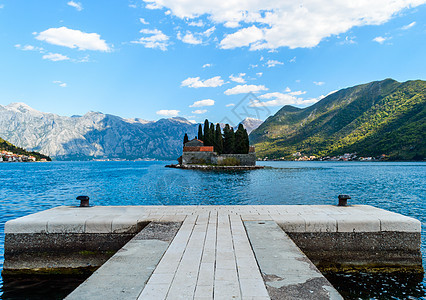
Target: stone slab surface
287 272
124 275
210 258
292 218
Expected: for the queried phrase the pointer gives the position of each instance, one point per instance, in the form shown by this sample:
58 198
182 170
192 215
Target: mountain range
94 135
381 117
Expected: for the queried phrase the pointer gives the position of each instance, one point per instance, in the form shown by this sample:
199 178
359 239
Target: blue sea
27 188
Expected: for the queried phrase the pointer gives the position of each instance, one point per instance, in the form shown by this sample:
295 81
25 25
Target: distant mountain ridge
381 117
250 124
94 135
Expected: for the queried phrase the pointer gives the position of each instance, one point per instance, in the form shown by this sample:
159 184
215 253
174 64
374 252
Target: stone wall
244 159
213 158
197 157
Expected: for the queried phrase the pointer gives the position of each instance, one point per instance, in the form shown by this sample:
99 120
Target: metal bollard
343 200
84 201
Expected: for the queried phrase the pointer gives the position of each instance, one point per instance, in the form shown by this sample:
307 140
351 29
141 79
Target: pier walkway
211 252
209 258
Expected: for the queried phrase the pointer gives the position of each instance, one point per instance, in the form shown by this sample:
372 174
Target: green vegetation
383 117
229 161
6 146
226 143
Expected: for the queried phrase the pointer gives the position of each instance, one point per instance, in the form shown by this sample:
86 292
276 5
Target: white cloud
168 112
60 83
293 60
287 90
155 39
319 83
280 99
243 89
207 65
408 26
198 23
199 111
195 82
189 38
272 63
243 37
238 78
143 21
297 93
278 23
380 39
201 103
29 48
76 5
259 74
55 57
71 38
195 38
349 40
230 105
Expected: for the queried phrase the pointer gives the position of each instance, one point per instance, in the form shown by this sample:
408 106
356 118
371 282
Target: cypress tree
185 139
228 140
218 139
206 136
211 133
200 132
232 141
246 142
241 140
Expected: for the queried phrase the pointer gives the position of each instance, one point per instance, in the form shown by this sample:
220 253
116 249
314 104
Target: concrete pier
247 252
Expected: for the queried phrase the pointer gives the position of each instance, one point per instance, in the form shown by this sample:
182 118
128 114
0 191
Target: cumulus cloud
168 112
195 38
198 23
29 48
71 38
380 39
60 83
238 78
245 88
199 111
76 5
55 57
272 63
189 38
207 65
283 23
259 74
143 21
230 105
319 83
408 26
195 82
201 103
154 39
281 99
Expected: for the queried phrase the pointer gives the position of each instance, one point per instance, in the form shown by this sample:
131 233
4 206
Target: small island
213 150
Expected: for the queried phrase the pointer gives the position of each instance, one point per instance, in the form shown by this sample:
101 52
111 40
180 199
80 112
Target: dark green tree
241 140
200 132
212 133
185 139
218 139
207 137
228 140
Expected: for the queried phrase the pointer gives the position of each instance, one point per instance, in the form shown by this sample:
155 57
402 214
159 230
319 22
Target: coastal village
7 156
298 156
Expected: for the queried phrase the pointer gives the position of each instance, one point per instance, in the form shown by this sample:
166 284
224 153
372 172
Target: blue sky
198 59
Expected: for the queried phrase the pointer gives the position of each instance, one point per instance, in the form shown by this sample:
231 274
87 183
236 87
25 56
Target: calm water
26 188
